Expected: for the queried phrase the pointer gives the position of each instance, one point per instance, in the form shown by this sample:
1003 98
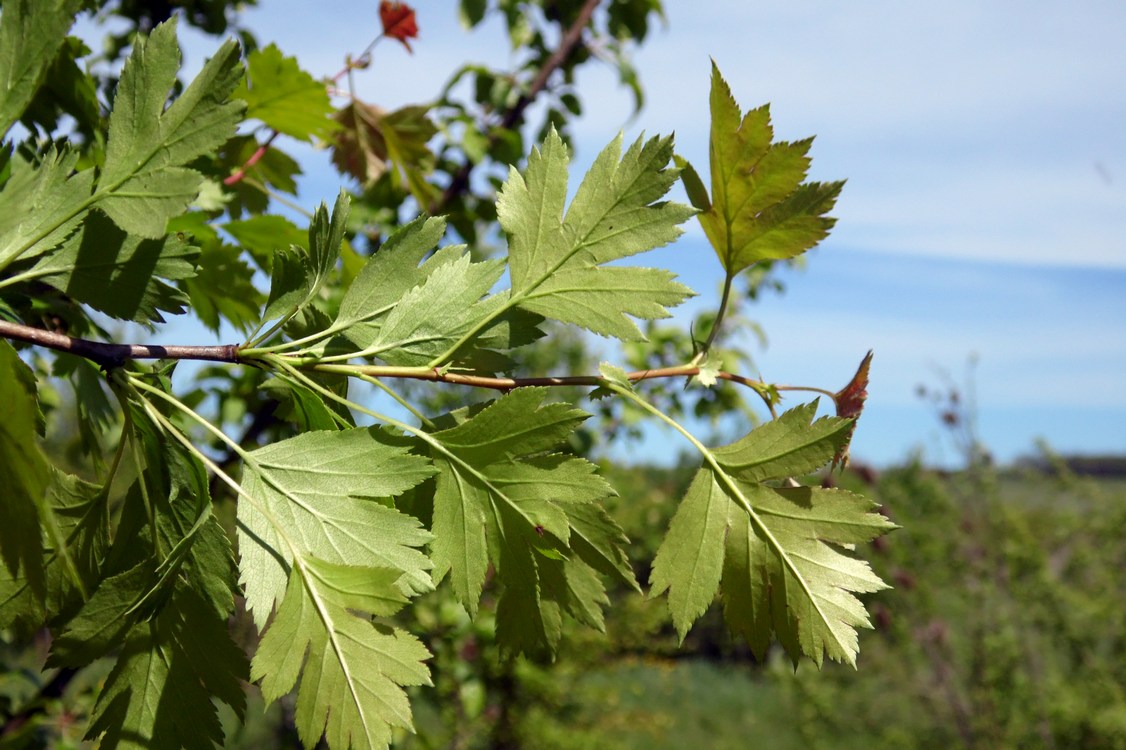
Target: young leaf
144 183
760 208
408 314
556 261
317 494
31 33
776 550
297 275
283 96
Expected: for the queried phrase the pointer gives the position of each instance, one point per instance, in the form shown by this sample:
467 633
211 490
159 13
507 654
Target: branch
112 355
511 117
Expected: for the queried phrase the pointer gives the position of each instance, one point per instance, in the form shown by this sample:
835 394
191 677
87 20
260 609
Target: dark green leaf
31 33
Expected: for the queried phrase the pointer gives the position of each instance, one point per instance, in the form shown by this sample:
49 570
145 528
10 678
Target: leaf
351 669
261 235
161 690
789 446
371 140
298 275
76 532
777 551
31 34
223 288
119 274
501 497
40 205
26 472
760 208
410 314
555 261
144 182
283 96
398 21
318 494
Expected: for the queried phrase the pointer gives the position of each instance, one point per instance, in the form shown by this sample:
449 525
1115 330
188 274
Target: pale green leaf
690 560
283 96
352 670
501 498
779 551
318 494
555 260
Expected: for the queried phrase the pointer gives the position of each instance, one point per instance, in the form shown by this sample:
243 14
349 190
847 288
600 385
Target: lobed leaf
144 182
351 669
318 494
555 260
777 550
760 207
298 275
500 497
283 96
31 34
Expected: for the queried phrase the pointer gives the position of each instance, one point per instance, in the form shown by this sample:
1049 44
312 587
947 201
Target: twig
567 45
109 355
254 159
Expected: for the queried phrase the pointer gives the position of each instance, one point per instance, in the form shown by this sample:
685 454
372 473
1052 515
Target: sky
984 217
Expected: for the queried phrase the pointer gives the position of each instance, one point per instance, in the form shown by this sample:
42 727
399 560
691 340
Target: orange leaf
398 22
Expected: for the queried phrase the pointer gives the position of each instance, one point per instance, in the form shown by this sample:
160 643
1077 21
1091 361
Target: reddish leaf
398 22
850 402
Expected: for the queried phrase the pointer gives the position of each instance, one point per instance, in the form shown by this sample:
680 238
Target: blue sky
985 212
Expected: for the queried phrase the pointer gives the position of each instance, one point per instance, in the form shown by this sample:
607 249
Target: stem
727 283
247 180
254 159
231 444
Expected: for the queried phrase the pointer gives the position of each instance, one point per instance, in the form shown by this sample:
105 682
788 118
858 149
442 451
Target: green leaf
26 472
119 274
223 287
501 497
790 446
144 182
298 275
262 235
161 690
31 34
318 494
40 205
283 96
760 207
76 530
778 551
353 668
690 560
410 314
555 261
